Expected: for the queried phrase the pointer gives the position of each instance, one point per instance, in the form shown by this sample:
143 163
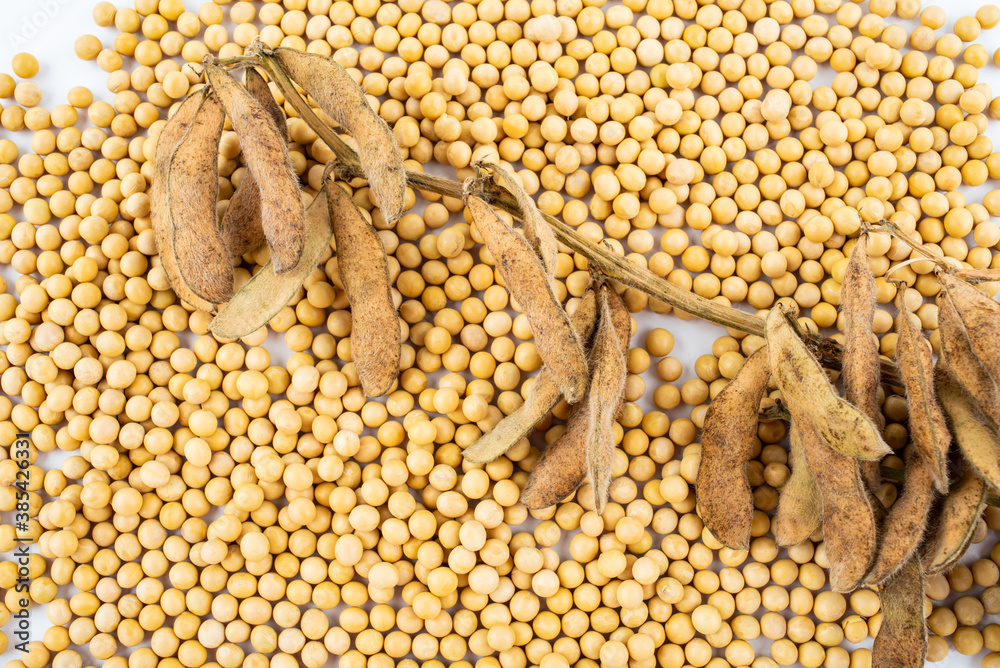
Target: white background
48 28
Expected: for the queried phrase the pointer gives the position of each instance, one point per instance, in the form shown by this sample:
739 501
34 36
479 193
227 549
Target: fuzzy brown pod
861 369
565 464
725 500
848 518
902 638
607 390
958 358
975 436
981 316
364 270
266 155
805 384
556 339
163 226
193 192
536 230
268 292
543 396
242 226
800 505
904 526
927 424
957 517
344 101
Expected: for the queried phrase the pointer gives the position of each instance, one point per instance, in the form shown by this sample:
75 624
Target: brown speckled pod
268 292
981 316
957 518
975 436
542 397
848 519
266 154
804 383
800 505
902 638
565 464
904 526
536 230
725 500
242 228
555 338
928 427
163 225
342 100
861 370
193 192
959 359
364 271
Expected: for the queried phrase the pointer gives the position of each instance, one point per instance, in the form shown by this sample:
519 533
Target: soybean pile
214 508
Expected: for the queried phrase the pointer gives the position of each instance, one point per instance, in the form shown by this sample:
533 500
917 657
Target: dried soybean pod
193 191
607 388
975 436
542 397
861 370
344 101
364 271
960 360
267 293
536 230
241 225
800 506
266 155
804 383
928 427
555 338
255 84
725 500
848 519
169 139
958 515
563 465
242 228
904 526
902 638
981 316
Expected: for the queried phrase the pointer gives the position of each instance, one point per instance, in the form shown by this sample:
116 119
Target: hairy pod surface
364 270
268 292
928 427
565 464
193 191
163 226
522 272
805 384
265 152
902 638
800 505
242 225
725 500
344 101
957 517
903 528
848 519
543 396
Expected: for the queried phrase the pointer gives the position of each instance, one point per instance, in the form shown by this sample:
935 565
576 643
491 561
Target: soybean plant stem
610 264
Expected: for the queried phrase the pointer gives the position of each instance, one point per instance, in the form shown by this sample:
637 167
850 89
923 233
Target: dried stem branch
614 266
